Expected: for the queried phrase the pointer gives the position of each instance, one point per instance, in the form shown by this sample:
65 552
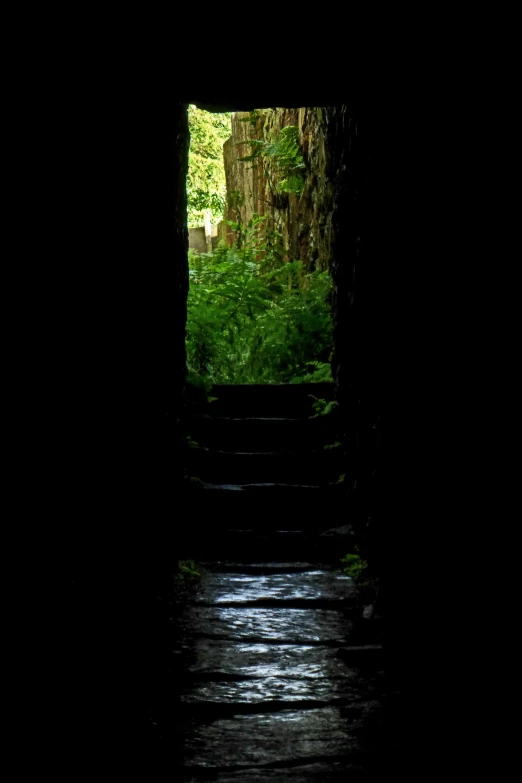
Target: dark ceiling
244 83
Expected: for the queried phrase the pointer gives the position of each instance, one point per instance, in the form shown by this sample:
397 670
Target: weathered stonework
304 221
354 263
131 520
330 226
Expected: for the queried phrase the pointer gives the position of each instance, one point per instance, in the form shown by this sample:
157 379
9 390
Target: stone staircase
269 486
281 681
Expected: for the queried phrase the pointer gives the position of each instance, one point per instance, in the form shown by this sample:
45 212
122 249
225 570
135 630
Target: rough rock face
122 360
355 258
330 226
305 221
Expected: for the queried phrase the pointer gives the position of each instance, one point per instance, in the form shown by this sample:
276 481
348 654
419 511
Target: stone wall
354 267
395 220
115 451
303 221
333 225
197 238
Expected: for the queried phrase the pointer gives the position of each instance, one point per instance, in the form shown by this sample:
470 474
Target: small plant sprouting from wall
357 568
280 156
185 578
322 407
353 565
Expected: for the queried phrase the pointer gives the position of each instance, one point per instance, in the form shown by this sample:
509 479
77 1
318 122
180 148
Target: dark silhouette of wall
121 350
117 389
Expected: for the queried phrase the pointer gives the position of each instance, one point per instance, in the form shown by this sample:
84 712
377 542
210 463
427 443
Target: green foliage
333 446
354 565
185 577
323 407
318 372
188 570
206 186
280 156
357 569
253 318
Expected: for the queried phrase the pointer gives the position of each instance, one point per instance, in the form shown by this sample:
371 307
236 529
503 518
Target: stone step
255 546
270 491
217 709
355 768
309 670
266 400
314 584
262 569
314 467
267 506
268 625
284 603
318 669
276 679
262 434
300 678
292 738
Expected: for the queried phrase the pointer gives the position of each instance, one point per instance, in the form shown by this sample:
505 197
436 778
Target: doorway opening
259 219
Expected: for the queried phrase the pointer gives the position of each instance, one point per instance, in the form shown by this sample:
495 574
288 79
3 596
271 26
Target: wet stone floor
276 686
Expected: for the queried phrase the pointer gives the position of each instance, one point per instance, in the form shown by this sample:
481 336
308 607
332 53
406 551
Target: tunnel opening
259 219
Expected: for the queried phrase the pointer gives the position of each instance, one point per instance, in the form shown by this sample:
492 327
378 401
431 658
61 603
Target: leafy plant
188 569
321 406
280 156
252 318
321 373
357 568
354 565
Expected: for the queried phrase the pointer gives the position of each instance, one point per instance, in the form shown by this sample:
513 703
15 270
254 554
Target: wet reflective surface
270 625
271 691
311 585
295 735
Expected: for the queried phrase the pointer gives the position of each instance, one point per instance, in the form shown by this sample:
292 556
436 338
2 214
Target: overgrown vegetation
280 156
254 315
252 318
206 186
